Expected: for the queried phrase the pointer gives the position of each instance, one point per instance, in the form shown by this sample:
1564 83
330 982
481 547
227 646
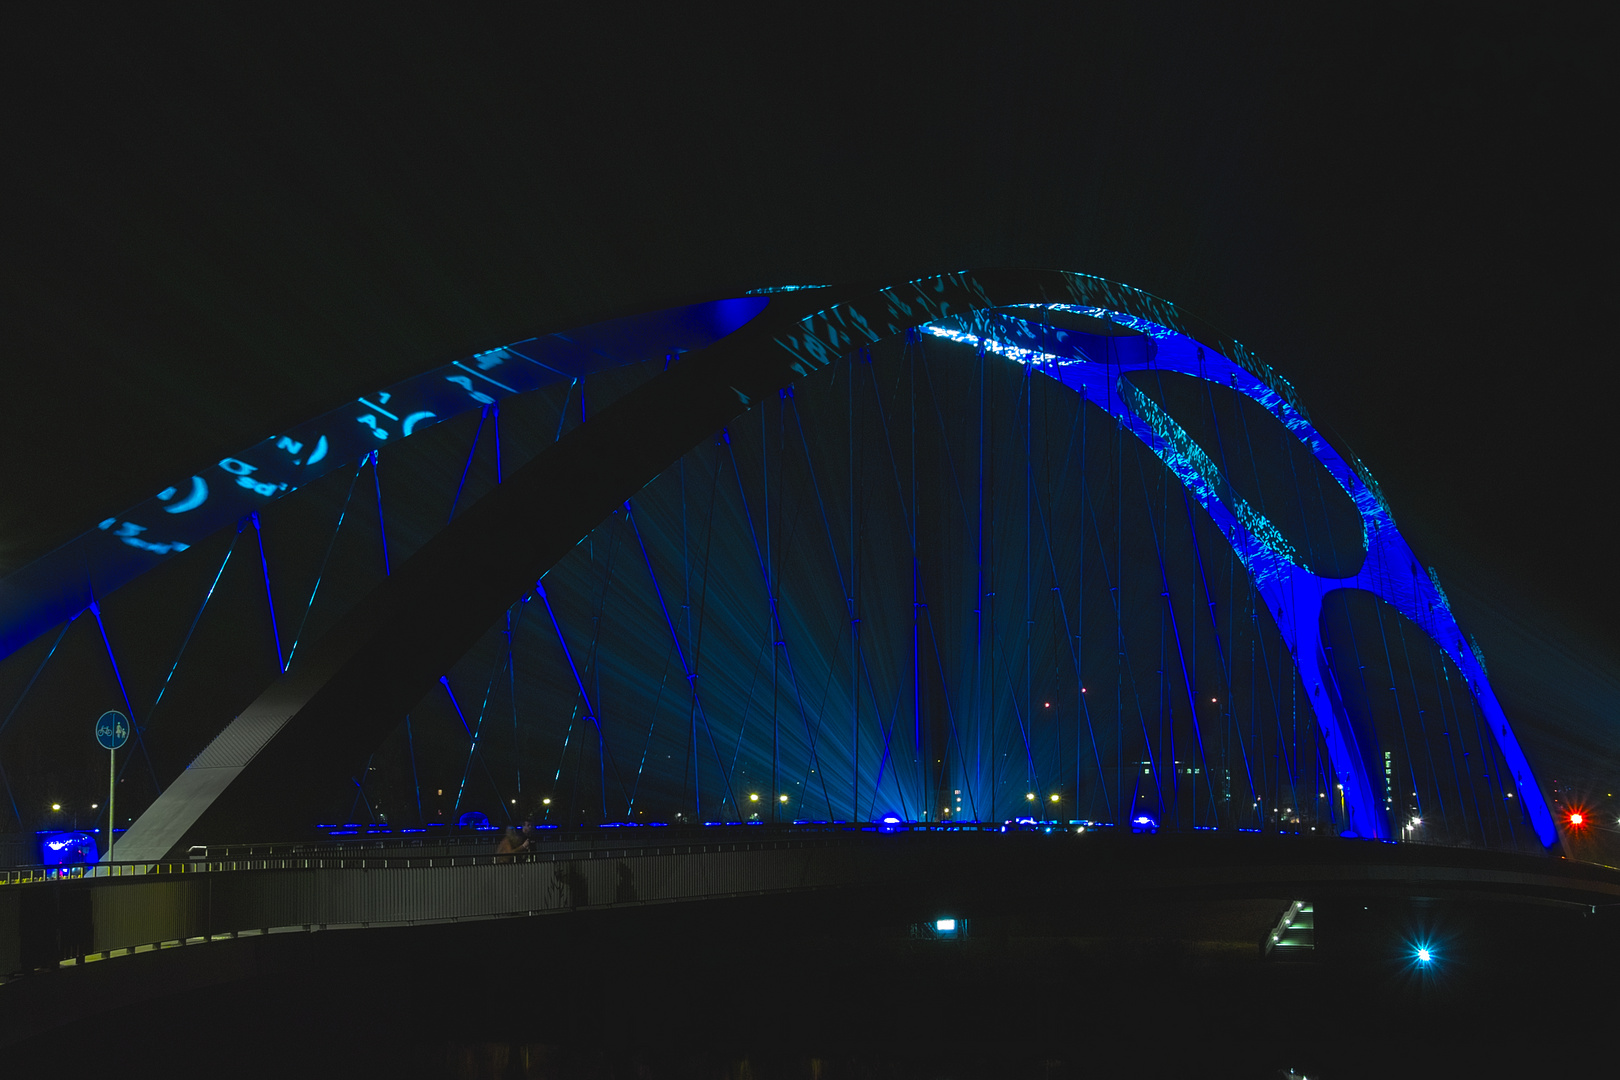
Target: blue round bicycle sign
112 729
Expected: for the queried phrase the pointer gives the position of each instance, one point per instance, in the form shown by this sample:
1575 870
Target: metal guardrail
340 855
76 915
95 912
378 862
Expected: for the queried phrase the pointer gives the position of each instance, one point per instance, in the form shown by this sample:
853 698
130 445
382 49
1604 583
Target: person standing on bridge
511 843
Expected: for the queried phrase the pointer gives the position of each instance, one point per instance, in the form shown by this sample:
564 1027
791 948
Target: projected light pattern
61 584
918 582
1390 570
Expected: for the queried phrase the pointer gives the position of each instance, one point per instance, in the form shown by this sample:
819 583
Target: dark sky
215 229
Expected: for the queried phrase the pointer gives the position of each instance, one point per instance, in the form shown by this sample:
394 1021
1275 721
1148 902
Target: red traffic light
1577 819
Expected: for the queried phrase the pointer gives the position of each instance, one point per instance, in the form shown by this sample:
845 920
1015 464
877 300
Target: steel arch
1293 593
316 723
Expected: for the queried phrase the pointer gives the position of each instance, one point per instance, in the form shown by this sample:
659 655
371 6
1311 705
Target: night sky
214 230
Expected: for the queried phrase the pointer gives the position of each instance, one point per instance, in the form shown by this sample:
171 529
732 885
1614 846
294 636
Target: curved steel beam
62 583
313 727
1292 592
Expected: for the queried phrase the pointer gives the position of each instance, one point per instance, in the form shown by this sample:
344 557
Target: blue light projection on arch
60 585
956 307
1292 591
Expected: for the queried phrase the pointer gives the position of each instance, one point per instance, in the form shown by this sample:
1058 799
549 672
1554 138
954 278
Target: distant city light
945 926
1030 796
753 798
545 802
1054 798
56 806
1577 818
783 798
1424 956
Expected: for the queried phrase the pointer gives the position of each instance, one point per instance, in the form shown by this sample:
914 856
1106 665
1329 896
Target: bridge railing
374 851
74 915
55 918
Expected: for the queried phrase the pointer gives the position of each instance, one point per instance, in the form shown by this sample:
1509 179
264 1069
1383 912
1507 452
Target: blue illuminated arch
628 444
1293 593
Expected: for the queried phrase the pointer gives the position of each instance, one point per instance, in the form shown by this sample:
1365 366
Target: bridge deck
125 909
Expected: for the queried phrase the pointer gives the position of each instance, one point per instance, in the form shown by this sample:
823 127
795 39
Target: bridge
1247 909
124 909
962 597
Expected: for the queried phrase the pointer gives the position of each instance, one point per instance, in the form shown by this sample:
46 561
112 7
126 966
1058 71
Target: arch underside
386 653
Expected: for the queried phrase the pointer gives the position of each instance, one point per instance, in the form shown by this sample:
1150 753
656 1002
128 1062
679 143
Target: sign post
112 731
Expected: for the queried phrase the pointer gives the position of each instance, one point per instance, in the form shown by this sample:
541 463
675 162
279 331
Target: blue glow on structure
952 307
73 848
1292 593
59 585
1197 472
